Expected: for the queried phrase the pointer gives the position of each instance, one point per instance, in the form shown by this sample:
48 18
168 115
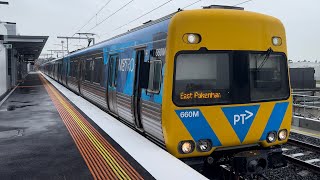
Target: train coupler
258 161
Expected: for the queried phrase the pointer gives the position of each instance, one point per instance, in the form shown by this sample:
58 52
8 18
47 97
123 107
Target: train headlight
277 41
204 145
271 137
192 38
186 147
282 135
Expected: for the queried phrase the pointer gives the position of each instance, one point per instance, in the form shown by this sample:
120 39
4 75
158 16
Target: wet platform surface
42 136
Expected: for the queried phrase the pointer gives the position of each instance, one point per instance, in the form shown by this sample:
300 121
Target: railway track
303 154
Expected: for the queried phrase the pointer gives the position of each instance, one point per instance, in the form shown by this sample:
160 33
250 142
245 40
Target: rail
306 145
300 162
303 164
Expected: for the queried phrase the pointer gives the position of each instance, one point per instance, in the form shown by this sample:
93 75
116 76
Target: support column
3 70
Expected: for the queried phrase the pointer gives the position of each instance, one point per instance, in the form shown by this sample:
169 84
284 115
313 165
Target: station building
17 53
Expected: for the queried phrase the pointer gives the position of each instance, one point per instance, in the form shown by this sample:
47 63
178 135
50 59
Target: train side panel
91 78
73 73
149 41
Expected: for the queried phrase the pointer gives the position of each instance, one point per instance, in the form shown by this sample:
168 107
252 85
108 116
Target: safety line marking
306 133
87 134
99 155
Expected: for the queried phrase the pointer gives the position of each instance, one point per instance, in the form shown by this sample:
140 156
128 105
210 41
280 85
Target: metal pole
304 106
62 48
68 45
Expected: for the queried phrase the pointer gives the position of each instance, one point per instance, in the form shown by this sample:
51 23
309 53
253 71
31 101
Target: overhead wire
242 2
97 24
93 17
191 4
144 14
111 15
156 8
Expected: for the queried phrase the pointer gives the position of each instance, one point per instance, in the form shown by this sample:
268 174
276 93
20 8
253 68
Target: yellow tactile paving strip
103 161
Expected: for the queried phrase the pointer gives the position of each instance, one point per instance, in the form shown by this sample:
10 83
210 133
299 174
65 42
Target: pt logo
242 117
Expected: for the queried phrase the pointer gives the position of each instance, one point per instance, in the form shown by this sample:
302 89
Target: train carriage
205 84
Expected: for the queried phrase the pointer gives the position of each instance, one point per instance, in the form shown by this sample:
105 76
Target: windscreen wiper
269 51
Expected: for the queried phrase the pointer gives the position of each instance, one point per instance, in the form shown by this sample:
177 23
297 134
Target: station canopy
28 47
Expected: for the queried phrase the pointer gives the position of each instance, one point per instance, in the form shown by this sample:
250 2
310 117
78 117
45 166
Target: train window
202 79
98 66
75 69
88 67
110 70
71 69
268 76
116 72
155 76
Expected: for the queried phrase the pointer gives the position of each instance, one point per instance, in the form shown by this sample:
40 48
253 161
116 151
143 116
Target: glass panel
75 68
202 79
115 71
155 76
268 77
98 66
87 70
110 71
71 69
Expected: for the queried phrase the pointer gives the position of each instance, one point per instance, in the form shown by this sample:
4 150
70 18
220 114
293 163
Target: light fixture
204 145
277 41
186 147
191 38
271 137
282 135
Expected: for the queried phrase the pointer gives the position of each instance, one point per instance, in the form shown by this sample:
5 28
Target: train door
60 71
137 86
79 74
66 65
112 83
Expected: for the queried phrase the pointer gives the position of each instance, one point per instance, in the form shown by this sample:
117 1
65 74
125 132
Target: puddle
14 107
21 101
11 108
11 133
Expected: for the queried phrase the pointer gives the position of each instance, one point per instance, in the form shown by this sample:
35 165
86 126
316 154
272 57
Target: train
209 85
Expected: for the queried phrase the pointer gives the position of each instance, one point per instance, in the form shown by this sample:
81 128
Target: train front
227 95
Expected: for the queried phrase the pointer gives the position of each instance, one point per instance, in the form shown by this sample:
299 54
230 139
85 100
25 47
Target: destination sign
200 95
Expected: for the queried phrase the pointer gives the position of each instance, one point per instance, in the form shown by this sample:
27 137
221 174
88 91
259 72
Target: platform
44 135
306 131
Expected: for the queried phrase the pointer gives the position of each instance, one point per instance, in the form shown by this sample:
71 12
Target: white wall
3 70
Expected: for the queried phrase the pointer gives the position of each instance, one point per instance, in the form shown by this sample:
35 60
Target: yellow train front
226 89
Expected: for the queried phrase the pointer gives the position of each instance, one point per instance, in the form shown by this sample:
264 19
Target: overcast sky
65 17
